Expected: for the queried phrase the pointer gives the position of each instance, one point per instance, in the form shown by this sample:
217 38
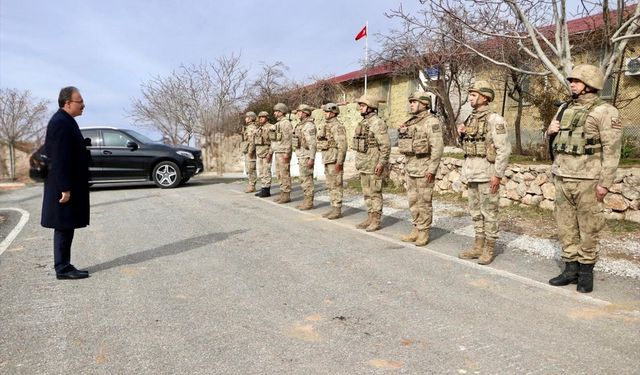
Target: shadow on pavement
169 249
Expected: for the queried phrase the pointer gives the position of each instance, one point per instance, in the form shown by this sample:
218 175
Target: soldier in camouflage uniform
373 146
304 143
280 136
249 150
332 141
587 146
420 140
263 152
487 149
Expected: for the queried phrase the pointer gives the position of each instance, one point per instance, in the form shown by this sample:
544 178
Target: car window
114 139
93 135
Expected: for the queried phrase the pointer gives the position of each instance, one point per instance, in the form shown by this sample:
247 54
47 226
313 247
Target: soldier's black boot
585 278
264 192
568 276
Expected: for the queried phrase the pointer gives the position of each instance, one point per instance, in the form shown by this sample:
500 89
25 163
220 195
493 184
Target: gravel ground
531 231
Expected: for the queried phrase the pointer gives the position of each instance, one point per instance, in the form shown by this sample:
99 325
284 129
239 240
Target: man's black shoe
72 275
81 271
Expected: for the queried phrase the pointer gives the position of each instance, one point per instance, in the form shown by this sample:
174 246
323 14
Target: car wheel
167 175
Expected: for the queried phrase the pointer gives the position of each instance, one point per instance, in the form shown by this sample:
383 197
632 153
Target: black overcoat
68 171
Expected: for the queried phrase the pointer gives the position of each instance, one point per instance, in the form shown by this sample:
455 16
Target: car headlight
186 154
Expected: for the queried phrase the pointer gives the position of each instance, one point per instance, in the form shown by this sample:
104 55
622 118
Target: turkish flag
362 33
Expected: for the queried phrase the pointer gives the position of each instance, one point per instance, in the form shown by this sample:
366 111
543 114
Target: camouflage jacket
305 133
423 155
261 140
248 145
284 128
491 128
379 144
335 136
603 122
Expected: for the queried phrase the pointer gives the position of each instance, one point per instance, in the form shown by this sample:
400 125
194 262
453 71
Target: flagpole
366 55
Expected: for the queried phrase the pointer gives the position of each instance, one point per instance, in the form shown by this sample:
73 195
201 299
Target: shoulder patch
435 128
501 128
616 123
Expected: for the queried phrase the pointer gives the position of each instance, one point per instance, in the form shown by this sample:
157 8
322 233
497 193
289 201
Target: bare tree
163 107
270 83
21 119
437 63
527 23
271 86
195 102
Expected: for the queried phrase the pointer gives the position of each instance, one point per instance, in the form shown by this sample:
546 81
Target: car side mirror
87 142
132 145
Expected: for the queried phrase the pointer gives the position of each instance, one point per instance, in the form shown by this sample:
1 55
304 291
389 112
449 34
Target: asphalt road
207 280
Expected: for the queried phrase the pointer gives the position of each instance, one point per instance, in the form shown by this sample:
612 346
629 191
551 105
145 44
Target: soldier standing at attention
332 141
587 148
420 140
280 136
373 147
304 142
249 150
486 154
263 152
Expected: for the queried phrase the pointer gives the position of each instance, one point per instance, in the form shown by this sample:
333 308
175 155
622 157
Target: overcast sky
107 48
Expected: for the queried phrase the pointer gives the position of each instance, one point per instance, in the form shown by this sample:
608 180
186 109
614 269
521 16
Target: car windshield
140 137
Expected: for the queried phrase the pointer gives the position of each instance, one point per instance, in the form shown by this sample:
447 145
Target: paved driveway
205 279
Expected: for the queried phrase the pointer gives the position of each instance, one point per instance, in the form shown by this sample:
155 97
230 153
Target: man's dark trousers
62 239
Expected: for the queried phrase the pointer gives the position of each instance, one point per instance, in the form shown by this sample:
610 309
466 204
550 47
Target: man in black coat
65 204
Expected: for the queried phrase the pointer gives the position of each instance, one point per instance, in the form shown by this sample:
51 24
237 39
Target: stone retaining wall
532 185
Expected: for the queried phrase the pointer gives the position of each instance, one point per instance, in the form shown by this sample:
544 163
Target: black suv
122 155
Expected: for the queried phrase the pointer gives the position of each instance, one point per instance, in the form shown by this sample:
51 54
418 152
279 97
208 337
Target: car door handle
105 152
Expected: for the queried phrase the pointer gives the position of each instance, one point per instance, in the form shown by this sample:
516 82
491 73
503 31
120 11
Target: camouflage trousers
306 177
419 193
372 191
265 172
334 184
283 171
579 219
250 168
483 207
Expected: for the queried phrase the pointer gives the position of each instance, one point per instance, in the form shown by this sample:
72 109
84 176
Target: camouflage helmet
483 88
331 107
251 115
369 101
422 97
281 107
263 114
590 75
305 108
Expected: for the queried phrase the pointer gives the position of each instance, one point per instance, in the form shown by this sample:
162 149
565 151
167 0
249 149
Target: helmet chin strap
585 90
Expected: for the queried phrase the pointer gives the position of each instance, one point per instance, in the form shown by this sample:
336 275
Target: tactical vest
245 144
412 142
571 136
326 140
259 138
363 139
298 140
275 134
476 143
